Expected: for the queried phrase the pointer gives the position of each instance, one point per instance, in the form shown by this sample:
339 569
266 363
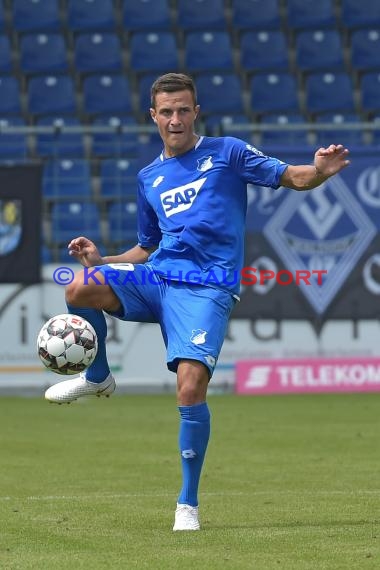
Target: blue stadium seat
149 148
284 136
116 143
222 125
318 50
97 52
106 94
90 15
43 53
274 93
122 247
264 51
72 219
303 14
36 15
362 14
329 92
118 178
144 86
370 92
10 96
51 95
256 14
144 15
46 254
66 178
122 221
201 15
334 135
153 51
64 256
208 51
12 145
5 55
2 20
220 93
365 49
376 132
58 143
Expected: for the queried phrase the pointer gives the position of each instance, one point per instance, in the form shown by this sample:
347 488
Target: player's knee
192 382
78 293
73 291
189 394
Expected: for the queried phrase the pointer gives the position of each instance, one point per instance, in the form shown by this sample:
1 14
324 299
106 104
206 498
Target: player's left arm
327 162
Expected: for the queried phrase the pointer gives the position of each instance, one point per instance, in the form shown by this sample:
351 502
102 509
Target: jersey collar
197 144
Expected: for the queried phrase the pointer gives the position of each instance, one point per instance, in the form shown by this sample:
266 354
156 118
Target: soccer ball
67 344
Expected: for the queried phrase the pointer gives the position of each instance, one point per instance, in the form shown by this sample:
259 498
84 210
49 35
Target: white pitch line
96 497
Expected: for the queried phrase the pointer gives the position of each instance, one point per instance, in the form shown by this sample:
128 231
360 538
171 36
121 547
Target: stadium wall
339 319
137 352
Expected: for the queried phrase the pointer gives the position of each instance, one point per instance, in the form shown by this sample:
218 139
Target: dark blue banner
316 254
20 224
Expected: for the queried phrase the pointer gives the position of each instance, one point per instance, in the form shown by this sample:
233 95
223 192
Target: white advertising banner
137 353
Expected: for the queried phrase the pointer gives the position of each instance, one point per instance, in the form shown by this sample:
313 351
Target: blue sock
194 434
99 369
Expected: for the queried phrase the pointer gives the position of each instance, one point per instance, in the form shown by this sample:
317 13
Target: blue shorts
193 318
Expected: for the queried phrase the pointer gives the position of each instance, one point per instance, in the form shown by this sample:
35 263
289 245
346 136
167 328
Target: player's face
175 114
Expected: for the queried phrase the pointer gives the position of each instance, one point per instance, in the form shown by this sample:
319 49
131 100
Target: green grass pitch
289 483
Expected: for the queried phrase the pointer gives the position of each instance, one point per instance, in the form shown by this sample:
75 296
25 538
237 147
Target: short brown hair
171 82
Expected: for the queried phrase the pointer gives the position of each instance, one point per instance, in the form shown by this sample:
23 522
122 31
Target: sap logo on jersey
181 198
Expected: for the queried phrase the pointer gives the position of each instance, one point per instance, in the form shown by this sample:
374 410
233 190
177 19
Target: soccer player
192 202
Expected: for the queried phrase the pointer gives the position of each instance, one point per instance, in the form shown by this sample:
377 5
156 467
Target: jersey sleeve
148 230
253 166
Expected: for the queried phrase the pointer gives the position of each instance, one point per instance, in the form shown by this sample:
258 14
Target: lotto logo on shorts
181 198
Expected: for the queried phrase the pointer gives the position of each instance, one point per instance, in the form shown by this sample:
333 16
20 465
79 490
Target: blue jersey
193 206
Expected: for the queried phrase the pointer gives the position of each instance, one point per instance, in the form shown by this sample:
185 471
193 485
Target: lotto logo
181 198
188 454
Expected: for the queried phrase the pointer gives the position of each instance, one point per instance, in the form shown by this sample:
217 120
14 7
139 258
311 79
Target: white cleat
70 390
186 518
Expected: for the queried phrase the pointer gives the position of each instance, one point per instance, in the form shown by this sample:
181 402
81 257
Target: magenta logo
308 375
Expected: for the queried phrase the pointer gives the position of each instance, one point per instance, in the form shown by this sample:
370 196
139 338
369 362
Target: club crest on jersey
181 198
204 164
198 336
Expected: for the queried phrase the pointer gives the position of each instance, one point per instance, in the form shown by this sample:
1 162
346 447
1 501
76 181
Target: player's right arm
136 254
86 252
149 236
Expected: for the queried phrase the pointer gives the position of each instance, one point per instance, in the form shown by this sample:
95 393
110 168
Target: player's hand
328 161
85 251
